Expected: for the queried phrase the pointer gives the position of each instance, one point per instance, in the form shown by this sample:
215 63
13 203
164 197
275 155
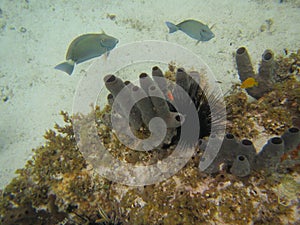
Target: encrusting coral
59 187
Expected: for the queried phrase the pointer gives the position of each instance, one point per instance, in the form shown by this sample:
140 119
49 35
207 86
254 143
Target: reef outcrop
58 186
156 100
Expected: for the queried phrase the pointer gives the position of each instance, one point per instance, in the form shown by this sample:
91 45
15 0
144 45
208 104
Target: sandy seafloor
34 36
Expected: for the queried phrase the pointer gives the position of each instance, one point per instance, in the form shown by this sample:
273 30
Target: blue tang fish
85 47
192 28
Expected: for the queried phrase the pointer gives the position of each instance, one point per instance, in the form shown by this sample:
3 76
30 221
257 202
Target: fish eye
102 42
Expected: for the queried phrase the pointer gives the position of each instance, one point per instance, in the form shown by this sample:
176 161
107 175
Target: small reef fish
170 96
192 28
85 47
249 83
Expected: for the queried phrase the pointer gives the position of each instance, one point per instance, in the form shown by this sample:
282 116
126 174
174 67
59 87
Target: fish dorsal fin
102 31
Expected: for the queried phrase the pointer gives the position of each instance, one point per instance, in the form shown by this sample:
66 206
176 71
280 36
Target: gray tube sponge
244 64
144 104
158 101
160 80
229 148
156 72
267 66
173 119
269 157
291 139
135 118
110 99
265 78
145 82
194 81
247 149
182 79
226 154
241 166
113 84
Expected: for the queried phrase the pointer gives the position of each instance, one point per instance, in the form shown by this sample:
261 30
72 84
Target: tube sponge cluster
156 96
241 157
236 157
266 75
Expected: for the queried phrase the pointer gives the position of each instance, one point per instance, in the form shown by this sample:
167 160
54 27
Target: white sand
36 92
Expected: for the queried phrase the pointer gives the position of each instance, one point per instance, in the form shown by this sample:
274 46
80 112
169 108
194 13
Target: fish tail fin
67 66
172 27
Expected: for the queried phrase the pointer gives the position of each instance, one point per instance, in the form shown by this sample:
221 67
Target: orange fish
170 96
249 83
